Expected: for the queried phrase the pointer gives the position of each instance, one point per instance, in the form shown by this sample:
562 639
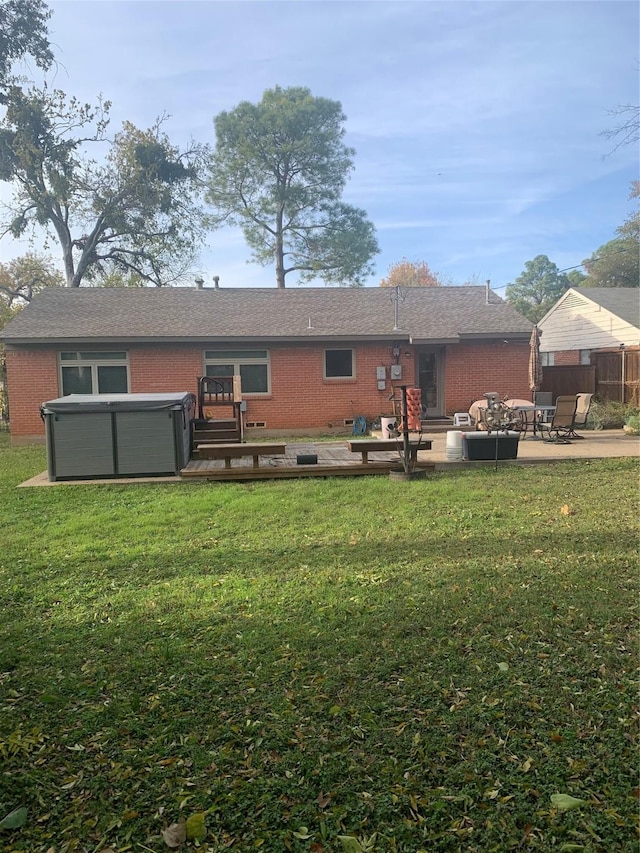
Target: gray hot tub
118 435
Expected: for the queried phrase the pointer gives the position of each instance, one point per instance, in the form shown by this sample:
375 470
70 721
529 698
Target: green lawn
420 666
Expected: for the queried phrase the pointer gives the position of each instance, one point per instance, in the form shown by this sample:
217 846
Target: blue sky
477 125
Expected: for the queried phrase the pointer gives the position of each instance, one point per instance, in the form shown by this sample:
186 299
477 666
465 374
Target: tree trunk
279 249
69 272
67 248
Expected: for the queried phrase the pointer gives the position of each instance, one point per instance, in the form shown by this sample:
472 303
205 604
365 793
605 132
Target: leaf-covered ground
331 665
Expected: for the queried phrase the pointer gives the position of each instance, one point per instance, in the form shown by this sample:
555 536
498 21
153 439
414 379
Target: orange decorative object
414 406
414 409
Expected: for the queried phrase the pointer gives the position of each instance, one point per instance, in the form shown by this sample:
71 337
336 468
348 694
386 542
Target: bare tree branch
628 130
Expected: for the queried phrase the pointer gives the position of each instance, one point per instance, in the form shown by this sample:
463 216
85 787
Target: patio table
540 413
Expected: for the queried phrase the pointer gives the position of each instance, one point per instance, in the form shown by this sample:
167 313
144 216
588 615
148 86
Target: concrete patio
596 444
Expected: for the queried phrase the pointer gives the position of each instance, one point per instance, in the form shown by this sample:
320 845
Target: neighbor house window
339 364
251 365
547 359
94 372
585 356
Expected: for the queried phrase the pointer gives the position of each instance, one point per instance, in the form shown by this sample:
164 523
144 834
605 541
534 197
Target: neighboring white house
587 319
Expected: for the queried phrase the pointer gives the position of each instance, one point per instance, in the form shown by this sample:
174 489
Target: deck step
437 425
210 434
219 431
204 424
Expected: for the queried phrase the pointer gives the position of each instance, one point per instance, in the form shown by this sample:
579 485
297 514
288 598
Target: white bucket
387 423
453 450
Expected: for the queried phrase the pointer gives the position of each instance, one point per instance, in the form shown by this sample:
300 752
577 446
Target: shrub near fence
609 414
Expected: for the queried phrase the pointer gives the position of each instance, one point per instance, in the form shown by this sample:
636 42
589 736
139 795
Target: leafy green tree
576 278
134 212
617 263
406 273
23 32
118 279
20 280
278 172
537 288
23 277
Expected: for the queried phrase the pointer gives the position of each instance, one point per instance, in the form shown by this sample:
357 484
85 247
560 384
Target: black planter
490 445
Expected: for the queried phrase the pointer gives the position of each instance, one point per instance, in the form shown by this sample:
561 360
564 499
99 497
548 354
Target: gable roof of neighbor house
624 302
424 314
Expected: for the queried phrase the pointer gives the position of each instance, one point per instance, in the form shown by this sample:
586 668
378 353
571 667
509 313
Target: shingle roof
102 314
624 302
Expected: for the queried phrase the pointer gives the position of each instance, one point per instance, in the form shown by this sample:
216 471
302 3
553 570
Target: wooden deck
334 460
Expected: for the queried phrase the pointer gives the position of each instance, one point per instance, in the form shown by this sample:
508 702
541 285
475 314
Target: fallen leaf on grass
175 835
503 666
565 509
565 802
302 833
15 819
195 826
350 844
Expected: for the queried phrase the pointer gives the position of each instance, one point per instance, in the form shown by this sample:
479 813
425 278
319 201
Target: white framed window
92 372
547 359
252 366
585 356
339 364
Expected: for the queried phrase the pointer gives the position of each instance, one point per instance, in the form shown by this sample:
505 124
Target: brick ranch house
310 359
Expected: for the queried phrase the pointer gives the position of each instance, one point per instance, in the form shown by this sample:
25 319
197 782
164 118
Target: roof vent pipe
216 281
487 290
199 283
397 297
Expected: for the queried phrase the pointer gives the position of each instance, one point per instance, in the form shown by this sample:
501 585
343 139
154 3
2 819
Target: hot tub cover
120 402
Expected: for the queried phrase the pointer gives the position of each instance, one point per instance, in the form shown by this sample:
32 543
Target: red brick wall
472 369
566 357
300 397
153 370
32 379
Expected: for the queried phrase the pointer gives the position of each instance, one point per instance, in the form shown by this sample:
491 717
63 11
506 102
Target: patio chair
582 411
543 398
543 401
558 430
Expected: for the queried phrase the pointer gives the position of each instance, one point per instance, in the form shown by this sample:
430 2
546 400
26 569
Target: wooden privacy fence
569 379
618 375
604 377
